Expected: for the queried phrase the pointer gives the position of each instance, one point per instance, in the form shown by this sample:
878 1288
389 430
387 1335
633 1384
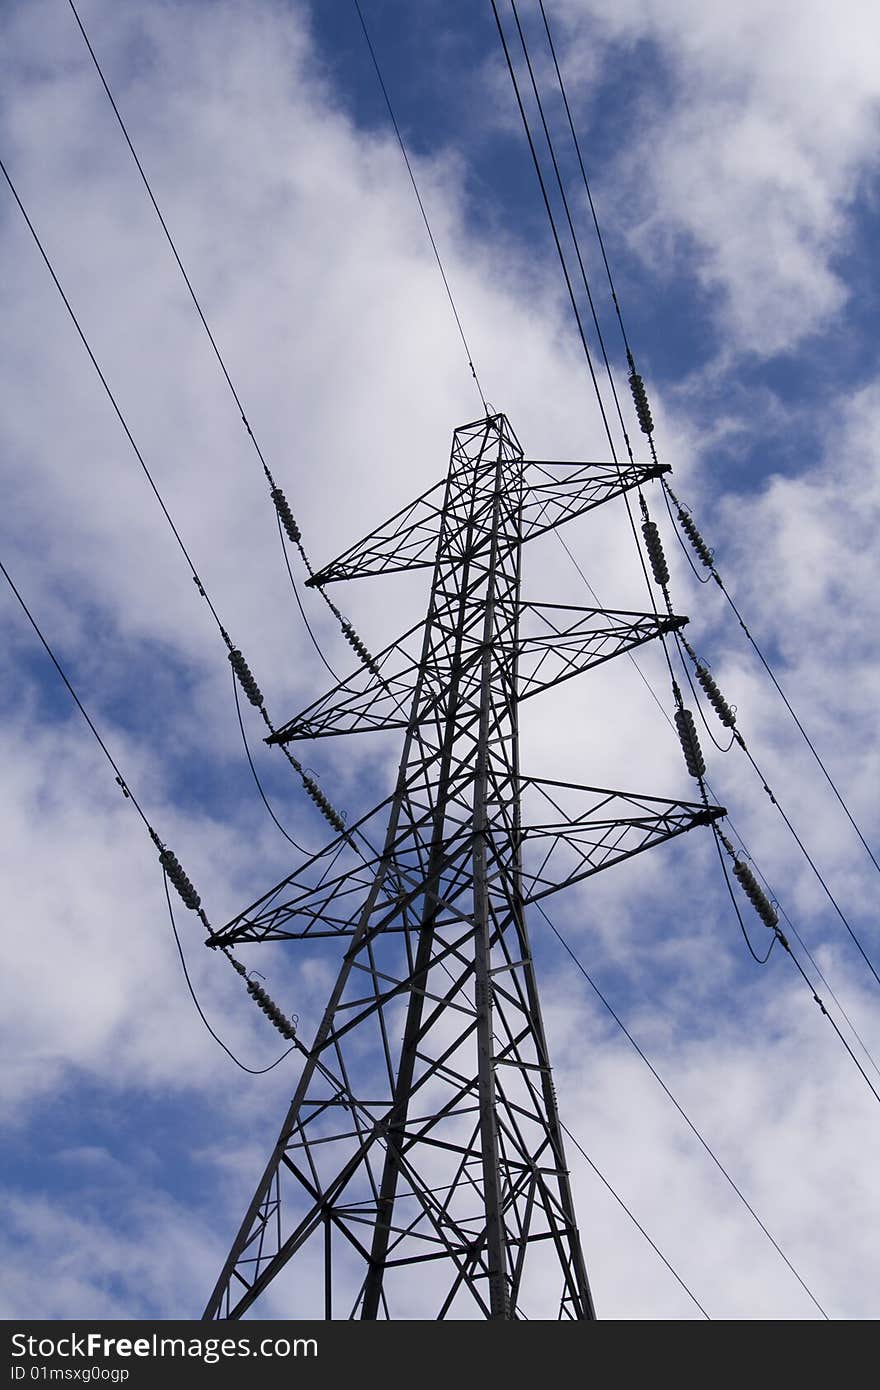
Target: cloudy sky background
733 151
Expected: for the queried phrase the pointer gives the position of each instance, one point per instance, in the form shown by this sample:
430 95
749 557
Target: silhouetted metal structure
420 1171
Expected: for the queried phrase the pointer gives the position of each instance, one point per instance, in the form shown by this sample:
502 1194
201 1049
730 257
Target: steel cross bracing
420 1170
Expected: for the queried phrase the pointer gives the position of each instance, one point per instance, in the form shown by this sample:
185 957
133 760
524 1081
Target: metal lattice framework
420 1170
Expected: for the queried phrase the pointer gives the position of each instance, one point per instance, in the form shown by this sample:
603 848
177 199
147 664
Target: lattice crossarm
558 492
405 541
376 695
561 641
593 828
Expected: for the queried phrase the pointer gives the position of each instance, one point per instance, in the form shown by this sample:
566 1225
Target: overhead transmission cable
284 515
683 514
280 503
579 257
171 869
690 1124
256 776
412 179
759 960
697 768
812 863
728 718
620 1202
652 538
254 1071
648 527
653 544
237 660
792 929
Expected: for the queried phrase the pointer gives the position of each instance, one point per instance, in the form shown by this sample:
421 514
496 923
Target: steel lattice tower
420 1171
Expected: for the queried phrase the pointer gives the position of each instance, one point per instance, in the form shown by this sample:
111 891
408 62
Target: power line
256 776
120 780
639 1227
252 1071
238 662
708 560
552 220
759 960
762 905
568 283
737 738
574 238
130 796
585 179
827 1015
804 947
698 703
805 852
278 499
412 179
700 578
665 486
293 584
546 199
94 361
688 1121
734 831
805 735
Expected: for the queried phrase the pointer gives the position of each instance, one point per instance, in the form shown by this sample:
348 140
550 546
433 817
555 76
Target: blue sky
733 159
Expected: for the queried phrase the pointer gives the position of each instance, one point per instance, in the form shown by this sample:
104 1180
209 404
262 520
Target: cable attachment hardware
245 677
323 805
332 606
690 744
185 888
285 516
640 400
654 546
700 547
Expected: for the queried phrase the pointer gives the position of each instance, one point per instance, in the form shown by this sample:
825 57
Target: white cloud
749 161
309 257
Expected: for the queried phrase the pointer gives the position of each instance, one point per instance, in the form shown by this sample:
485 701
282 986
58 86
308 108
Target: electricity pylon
420 1171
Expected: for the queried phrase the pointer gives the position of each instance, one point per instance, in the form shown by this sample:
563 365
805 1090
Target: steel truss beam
566 642
421 1162
554 493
